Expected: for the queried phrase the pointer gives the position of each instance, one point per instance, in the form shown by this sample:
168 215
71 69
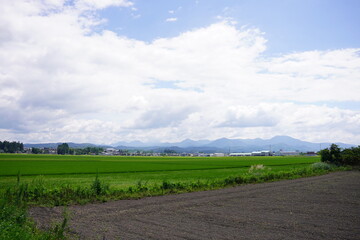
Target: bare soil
321 207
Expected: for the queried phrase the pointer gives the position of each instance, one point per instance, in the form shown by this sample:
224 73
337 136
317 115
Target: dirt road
322 207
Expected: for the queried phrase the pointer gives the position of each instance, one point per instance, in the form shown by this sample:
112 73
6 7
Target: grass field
119 172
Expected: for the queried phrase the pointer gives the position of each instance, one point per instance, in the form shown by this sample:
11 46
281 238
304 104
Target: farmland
119 172
53 180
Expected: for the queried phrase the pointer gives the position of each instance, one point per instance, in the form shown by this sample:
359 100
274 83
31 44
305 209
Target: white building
261 153
255 153
239 154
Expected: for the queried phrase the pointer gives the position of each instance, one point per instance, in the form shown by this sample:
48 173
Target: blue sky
289 25
125 70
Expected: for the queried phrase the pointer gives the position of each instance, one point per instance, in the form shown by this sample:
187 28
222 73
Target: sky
92 71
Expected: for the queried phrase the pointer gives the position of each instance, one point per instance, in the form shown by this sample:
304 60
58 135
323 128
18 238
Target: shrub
322 166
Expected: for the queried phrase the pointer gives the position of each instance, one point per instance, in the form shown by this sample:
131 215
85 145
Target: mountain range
224 145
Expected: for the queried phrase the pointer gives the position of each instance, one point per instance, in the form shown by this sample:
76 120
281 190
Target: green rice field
120 172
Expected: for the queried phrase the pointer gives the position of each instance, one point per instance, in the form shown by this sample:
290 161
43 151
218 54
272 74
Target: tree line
65 149
18 147
338 156
11 147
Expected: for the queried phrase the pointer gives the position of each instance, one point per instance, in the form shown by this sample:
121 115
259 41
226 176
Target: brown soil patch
321 207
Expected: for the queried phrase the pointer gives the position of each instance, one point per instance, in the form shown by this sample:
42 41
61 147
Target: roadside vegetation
15 222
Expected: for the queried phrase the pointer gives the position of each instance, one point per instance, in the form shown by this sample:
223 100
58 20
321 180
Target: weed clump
322 166
256 167
98 187
59 230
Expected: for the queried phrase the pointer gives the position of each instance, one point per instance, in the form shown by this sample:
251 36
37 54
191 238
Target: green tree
71 151
35 150
351 156
334 155
331 155
325 155
21 147
11 147
63 149
335 152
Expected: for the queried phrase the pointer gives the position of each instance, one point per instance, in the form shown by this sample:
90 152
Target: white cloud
60 81
246 116
101 4
171 19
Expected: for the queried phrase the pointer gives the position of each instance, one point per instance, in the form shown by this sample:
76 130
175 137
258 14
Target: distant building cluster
122 152
45 150
255 153
277 153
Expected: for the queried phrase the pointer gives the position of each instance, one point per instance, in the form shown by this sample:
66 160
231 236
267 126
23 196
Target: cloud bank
61 80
